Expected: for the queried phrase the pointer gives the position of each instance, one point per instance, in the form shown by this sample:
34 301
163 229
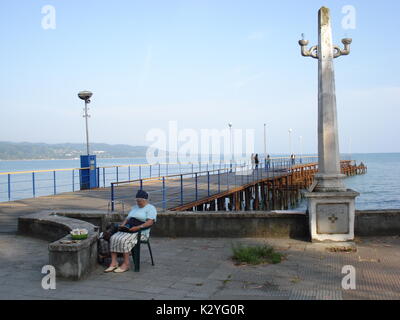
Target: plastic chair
136 250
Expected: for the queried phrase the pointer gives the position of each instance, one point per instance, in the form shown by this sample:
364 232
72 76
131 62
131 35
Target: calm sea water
379 188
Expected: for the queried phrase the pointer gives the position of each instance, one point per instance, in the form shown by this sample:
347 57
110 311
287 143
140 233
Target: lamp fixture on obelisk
331 204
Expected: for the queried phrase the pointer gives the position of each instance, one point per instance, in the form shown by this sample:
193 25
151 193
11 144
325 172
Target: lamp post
86 95
265 144
329 177
350 148
331 206
231 144
301 149
290 141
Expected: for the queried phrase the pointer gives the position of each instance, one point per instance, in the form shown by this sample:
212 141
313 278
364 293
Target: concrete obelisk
331 205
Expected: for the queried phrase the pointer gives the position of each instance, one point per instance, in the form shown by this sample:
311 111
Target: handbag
110 230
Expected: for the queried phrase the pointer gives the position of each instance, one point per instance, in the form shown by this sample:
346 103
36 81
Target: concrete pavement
192 268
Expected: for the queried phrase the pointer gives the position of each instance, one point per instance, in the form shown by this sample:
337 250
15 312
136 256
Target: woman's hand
134 229
123 223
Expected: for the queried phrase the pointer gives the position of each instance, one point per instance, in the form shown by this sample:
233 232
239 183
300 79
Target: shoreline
144 156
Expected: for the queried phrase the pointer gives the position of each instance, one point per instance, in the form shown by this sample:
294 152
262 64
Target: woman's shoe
119 270
111 269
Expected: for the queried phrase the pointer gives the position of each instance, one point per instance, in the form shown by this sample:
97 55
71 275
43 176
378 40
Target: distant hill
27 150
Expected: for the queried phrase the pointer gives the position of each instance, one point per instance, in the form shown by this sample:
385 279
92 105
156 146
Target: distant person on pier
253 161
142 216
268 162
293 159
256 161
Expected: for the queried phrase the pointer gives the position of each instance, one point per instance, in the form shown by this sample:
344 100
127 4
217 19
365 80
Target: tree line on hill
44 151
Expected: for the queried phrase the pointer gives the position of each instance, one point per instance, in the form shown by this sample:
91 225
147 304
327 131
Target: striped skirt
123 242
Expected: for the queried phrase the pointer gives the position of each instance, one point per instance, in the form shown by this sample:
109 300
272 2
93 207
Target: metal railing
185 187
35 183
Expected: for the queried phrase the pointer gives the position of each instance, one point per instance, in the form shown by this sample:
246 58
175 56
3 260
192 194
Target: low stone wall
49 225
212 224
377 223
273 224
73 261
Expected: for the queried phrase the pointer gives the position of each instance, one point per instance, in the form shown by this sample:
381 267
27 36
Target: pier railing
35 183
175 189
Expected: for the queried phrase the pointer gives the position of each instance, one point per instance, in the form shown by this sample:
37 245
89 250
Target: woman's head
142 198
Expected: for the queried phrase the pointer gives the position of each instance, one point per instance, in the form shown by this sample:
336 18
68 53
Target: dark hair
142 194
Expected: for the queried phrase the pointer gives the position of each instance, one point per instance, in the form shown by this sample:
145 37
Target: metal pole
208 182
195 177
87 128
219 182
112 196
181 190
54 179
163 193
235 176
33 184
73 180
231 145
301 149
9 186
265 144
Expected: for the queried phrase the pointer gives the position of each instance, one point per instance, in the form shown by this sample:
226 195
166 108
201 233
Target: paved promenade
201 269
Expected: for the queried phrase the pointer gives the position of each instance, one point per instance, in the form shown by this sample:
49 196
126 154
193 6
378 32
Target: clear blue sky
202 63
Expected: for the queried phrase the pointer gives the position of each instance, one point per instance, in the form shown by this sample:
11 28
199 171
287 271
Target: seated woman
123 242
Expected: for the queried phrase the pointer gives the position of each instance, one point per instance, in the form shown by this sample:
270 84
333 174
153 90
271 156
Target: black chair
136 250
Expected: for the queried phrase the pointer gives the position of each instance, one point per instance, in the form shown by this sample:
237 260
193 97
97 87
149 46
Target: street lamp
86 95
265 144
301 149
231 142
290 141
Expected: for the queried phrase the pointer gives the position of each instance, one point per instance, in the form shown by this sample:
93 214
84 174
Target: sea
379 188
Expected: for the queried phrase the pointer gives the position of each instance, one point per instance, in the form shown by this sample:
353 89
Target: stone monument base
331 215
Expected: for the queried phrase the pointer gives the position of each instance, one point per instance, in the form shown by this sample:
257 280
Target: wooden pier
277 188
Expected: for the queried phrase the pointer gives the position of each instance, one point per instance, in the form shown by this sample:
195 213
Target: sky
202 63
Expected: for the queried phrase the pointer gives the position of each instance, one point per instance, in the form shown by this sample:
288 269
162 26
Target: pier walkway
198 189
